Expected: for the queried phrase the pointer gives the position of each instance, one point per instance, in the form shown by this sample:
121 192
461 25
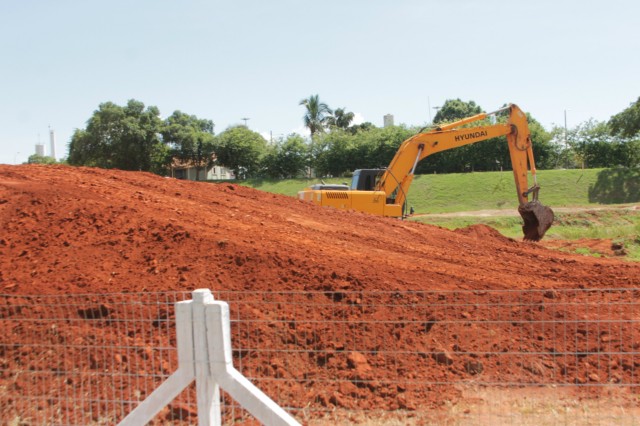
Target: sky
230 60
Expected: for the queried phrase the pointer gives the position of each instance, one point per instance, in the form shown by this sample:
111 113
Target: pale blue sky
228 60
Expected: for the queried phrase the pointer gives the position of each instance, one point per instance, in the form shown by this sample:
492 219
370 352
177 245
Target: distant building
388 120
40 150
187 171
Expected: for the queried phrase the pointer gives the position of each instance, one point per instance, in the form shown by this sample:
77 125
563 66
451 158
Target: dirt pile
70 230
79 230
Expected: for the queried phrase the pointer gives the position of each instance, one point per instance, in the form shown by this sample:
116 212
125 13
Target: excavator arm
397 178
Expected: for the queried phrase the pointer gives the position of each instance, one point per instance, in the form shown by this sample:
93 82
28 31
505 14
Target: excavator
383 192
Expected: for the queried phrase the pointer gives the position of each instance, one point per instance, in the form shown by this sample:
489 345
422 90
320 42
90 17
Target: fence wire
427 357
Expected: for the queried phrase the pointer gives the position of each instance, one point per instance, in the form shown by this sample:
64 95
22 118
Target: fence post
203 333
207 389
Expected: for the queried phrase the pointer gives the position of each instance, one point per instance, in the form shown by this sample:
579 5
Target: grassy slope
470 191
496 190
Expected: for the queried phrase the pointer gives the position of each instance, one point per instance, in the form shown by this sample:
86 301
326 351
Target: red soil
69 230
79 230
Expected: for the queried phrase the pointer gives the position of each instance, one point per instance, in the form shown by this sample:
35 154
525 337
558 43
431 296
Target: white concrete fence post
203 333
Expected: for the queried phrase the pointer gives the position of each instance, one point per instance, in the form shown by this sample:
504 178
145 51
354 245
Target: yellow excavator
383 192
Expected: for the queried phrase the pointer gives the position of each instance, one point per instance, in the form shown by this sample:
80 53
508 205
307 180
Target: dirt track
79 230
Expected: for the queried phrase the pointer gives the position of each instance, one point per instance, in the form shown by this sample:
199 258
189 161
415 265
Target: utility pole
245 121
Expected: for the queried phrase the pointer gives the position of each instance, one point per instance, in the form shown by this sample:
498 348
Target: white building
188 171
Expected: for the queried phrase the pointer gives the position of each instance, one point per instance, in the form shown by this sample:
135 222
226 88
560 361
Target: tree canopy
41 159
341 118
123 137
241 150
317 114
190 139
286 158
456 109
627 122
134 137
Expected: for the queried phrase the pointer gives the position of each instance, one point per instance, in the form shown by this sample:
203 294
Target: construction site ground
82 230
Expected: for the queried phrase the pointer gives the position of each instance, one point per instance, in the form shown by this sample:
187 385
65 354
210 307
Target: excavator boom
385 191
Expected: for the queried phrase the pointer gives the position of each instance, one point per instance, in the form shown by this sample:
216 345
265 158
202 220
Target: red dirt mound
79 230
484 232
70 230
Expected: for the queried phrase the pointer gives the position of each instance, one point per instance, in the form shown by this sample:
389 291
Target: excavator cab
369 180
366 179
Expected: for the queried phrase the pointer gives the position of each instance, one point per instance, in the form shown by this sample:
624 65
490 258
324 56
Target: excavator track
537 220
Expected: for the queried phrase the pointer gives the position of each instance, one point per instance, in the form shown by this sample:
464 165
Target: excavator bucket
537 219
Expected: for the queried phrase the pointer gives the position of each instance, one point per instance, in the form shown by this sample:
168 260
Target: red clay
70 230
82 230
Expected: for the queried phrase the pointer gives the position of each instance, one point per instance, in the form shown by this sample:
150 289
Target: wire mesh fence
498 356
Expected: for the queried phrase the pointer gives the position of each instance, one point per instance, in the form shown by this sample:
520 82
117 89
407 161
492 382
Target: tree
627 153
241 150
334 153
341 151
340 119
377 147
317 114
286 158
626 123
40 159
362 127
626 126
455 109
591 143
126 138
190 139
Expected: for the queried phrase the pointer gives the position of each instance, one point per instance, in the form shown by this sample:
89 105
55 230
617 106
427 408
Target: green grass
496 190
287 186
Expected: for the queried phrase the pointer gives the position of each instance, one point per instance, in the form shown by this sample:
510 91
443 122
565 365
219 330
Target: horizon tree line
134 137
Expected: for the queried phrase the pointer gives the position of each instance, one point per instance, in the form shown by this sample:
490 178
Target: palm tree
341 118
317 114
